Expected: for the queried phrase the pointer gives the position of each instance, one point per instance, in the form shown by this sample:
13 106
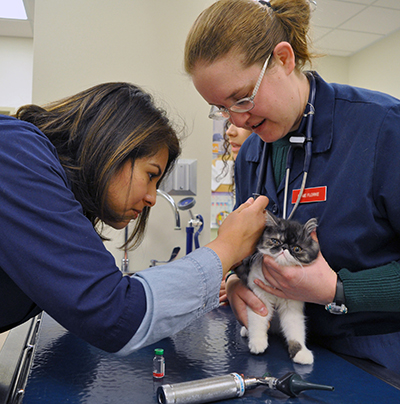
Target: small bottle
158 364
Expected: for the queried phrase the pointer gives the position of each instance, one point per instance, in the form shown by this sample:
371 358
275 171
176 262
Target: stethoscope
302 139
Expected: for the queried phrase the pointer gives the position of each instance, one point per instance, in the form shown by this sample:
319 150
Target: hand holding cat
240 297
314 283
239 233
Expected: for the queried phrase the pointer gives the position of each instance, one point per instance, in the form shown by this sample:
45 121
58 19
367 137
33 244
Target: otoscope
231 386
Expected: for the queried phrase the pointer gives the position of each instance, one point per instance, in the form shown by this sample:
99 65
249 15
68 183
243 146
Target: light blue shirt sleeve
176 294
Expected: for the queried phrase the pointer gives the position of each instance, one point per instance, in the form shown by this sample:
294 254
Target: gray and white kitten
289 243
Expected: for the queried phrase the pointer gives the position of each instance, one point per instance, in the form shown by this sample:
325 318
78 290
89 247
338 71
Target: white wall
333 69
16 56
377 67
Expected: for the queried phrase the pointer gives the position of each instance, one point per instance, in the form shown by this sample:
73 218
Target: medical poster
222 199
221 205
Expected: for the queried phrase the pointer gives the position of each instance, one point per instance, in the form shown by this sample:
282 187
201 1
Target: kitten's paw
258 345
299 353
304 357
244 332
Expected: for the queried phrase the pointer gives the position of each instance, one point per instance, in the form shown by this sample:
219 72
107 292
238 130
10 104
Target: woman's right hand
240 297
239 233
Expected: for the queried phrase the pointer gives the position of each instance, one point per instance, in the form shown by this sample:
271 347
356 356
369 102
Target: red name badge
317 194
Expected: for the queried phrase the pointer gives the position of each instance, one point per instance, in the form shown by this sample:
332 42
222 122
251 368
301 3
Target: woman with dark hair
91 146
98 157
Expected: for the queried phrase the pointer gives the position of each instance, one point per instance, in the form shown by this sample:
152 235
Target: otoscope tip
292 384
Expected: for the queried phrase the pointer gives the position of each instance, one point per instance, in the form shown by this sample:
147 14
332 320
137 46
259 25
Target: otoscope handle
202 391
292 384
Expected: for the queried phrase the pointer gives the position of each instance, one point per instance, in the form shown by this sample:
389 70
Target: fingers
223 299
245 205
267 288
222 293
260 203
279 278
256 304
241 297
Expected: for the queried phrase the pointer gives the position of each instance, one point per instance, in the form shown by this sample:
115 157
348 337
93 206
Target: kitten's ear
310 226
270 218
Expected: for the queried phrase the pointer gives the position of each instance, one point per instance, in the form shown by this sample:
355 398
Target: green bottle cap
159 351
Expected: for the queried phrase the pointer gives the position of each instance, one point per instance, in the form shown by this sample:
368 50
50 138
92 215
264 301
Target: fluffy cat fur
289 243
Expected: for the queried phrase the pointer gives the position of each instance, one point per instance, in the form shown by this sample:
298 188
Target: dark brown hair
95 132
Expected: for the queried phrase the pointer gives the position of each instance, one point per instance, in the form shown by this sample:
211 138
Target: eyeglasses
240 106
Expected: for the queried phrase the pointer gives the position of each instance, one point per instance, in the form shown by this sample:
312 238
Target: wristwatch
338 305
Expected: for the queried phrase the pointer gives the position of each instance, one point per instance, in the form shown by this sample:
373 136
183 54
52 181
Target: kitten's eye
275 241
296 249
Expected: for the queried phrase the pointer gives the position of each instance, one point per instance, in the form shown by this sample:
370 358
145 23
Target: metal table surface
66 369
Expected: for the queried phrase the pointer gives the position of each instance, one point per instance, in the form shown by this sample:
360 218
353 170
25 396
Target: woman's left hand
222 292
314 283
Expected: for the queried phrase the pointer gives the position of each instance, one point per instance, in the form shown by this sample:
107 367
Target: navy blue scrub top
355 156
50 256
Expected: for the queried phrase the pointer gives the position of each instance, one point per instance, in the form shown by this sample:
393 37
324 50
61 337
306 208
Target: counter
65 369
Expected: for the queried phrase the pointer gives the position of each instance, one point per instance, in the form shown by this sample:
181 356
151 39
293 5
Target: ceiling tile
318 32
332 13
375 20
348 41
388 3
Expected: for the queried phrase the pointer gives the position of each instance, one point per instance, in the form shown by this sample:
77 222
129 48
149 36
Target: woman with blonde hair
247 60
